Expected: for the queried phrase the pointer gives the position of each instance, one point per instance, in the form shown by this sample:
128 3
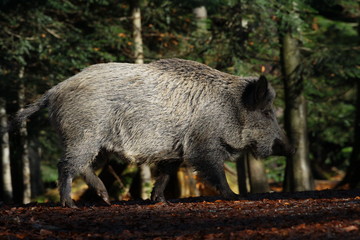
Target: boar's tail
23 114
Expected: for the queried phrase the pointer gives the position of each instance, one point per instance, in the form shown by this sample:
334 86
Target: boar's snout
281 148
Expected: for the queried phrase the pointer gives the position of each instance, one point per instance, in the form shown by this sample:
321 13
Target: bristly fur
164 112
32 108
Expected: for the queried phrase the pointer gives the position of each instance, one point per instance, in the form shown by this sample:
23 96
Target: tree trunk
352 176
298 176
201 18
136 21
257 175
146 184
187 183
243 175
145 173
37 186
7 191
251 175
24 143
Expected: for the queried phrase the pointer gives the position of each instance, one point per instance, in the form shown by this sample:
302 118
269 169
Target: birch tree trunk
7 193
298 175
201 19
145 172
25 161
136 21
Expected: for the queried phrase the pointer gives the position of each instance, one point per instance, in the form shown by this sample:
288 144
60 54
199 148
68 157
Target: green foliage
275 168
49 173
332 66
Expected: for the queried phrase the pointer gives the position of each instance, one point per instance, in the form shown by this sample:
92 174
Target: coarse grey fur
164 113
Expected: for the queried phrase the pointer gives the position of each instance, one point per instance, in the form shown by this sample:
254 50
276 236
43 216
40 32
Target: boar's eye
268 113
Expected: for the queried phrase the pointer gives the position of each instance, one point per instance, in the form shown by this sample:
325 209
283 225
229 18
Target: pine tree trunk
7 193
298 176
352 175
243 175
24 142
37 186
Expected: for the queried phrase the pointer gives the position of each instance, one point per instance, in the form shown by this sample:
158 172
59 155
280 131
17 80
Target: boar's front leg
165 169
210 165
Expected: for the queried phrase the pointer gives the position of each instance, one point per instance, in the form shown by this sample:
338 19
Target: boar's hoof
158 198
68 203
231 196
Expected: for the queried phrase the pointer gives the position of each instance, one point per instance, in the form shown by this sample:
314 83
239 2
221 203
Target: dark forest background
308 49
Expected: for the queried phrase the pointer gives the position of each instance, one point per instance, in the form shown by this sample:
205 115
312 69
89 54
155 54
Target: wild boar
161 113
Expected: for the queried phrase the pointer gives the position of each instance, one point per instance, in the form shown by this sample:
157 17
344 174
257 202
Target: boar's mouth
281 148
252 148
278 149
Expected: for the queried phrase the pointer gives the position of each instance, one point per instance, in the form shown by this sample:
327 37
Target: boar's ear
256 94
262 92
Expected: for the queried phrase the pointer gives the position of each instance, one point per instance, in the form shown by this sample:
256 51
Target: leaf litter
326 214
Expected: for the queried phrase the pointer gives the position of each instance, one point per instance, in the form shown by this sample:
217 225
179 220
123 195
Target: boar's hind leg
165 169
94 181
210 166
71 165
65 181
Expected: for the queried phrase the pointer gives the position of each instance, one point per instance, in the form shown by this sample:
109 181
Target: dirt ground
304 215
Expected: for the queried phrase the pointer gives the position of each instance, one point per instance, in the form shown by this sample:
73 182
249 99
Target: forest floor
327 214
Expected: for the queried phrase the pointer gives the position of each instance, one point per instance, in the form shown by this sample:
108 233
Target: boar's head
261 131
